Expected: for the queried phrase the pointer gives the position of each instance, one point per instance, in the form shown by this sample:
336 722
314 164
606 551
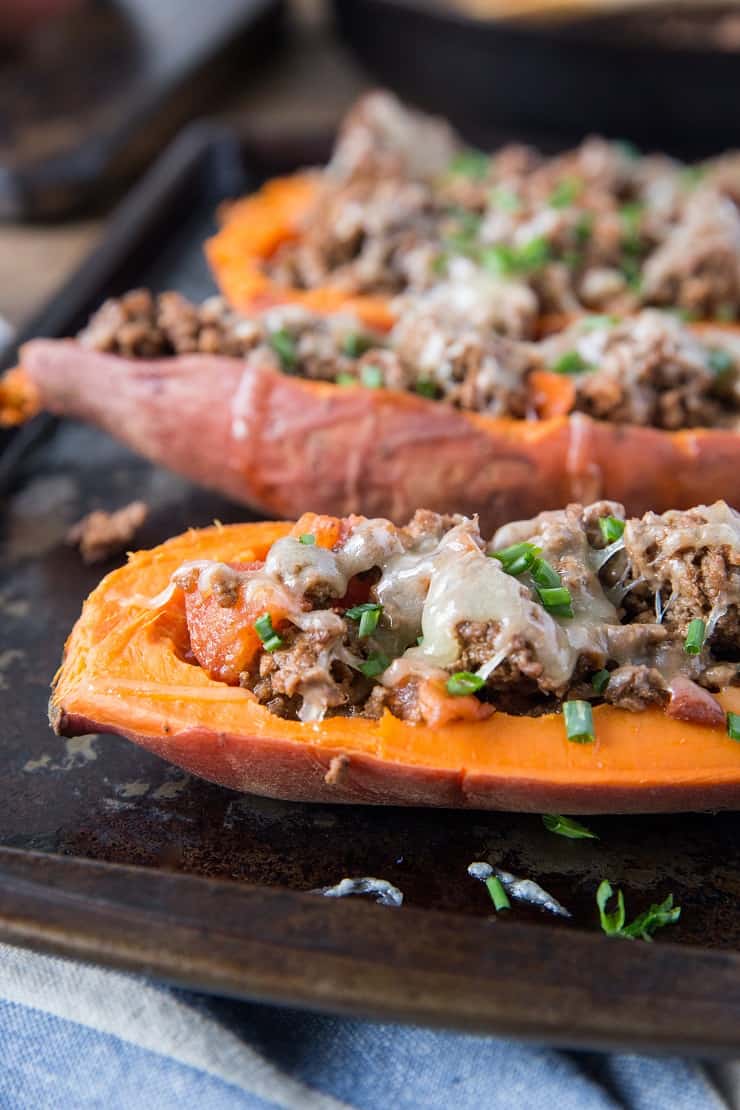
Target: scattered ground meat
100 534
636 687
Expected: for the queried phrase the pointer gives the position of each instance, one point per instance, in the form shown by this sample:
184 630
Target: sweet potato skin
279 443
125 671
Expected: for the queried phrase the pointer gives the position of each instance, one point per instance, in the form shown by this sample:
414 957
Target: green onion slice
426 388
612 923
570 363
471 163
544 574
356 344
371 376
505 199
658 915
600 681
374 665
579 722
565 192
733 726
694 641
556 598
612 528
267 634
464 682
308 538
517 558
566 826
346 379
368 614
284 346
499 897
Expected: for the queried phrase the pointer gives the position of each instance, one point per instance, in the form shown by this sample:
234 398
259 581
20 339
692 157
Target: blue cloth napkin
74 1036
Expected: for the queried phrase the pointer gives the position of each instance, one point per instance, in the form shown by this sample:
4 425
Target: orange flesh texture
253 229
19 398
125 670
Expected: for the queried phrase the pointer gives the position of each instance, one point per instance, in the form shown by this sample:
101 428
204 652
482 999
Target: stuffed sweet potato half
291 408
403 207
577 662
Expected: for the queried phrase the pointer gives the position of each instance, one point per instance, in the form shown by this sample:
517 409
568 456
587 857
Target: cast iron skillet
550 85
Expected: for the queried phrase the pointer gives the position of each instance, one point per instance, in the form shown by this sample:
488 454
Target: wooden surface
35 260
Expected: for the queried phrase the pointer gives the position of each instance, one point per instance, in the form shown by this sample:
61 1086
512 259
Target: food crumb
101 534
337 767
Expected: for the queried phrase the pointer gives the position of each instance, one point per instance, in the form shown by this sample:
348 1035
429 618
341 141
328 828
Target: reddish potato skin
279 443
298 773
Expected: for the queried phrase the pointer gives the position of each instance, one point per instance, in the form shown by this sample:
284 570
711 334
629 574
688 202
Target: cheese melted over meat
442 603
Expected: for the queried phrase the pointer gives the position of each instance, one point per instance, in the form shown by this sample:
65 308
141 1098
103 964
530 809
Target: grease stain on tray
79 750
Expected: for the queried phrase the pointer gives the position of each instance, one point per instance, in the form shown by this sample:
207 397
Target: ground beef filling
647 370
598 228
632 601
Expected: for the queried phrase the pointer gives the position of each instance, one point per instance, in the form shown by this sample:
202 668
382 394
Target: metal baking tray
108 853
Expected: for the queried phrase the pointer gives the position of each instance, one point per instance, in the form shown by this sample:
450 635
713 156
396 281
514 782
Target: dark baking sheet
102 799
548 83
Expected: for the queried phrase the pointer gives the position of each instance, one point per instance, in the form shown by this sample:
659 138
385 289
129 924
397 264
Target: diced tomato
329 531
552 394
440 708
223 639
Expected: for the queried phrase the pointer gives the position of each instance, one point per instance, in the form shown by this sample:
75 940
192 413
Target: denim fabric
72 1036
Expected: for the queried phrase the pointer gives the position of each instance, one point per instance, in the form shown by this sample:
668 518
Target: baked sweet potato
127 670
278 442
253 229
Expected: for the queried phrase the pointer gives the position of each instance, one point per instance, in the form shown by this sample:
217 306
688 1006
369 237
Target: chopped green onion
565 192
533 254
425 388
645 924
374 665
464 682
584 228
356 344
499 897
631 270
517 558
545 575
733 726
471 163
612 528
579 722
346 379
690 176
267 634
505 199
557 600
721 362
600 681
500 260
612 923
439 265
371 376
368 614
592 323
308 538
283 344
566 826
695 637
658 915
419 641
571 362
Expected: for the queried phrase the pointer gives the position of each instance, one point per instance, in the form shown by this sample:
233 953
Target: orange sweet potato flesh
280 443
125 671
253 229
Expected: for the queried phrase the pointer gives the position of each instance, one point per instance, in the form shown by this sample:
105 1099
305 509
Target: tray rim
82 908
